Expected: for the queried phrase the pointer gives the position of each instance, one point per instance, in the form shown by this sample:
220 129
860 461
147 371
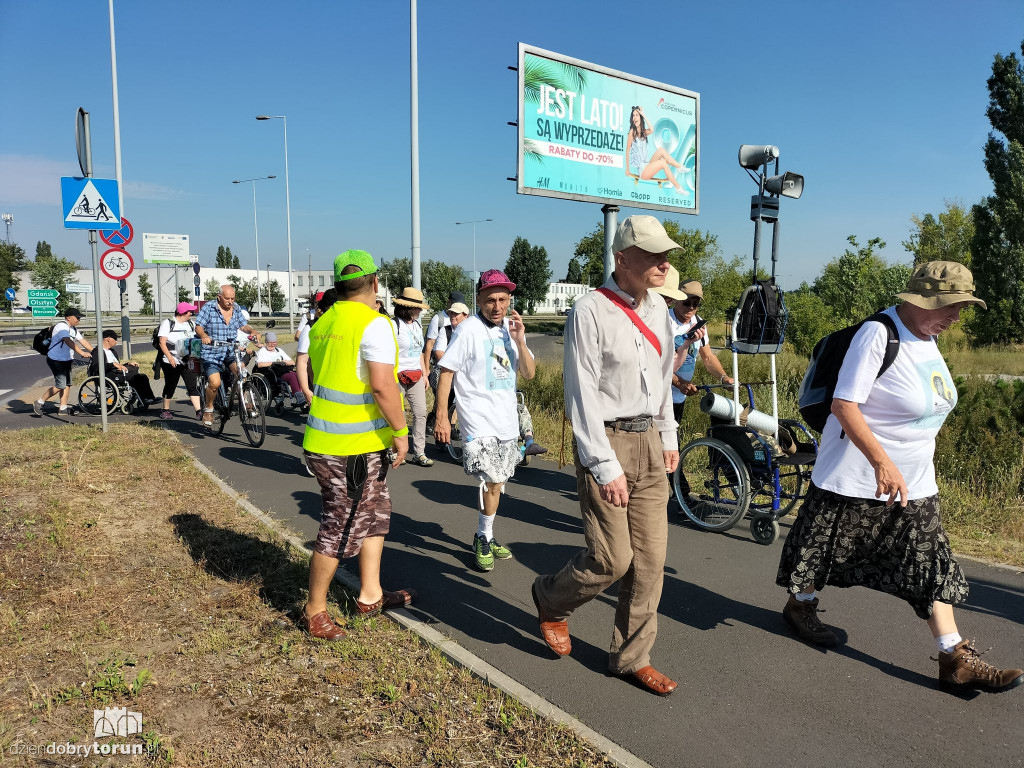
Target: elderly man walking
618 365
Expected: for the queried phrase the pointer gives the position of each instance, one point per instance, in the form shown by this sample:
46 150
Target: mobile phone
693 331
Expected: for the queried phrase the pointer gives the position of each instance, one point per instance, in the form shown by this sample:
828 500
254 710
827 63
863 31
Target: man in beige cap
618 362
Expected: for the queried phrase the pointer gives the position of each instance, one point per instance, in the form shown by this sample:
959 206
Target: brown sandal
321 626
398 599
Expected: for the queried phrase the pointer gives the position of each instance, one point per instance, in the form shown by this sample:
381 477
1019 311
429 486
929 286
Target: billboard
165 249
598 135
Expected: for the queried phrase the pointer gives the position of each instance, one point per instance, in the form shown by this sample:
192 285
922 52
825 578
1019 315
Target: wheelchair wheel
278 407
791 484
711 484
455 441
764 529
259 381
89 396
252 412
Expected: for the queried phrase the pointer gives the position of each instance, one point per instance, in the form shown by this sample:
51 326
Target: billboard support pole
611 223
158 309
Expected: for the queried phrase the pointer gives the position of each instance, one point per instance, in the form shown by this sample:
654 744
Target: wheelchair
276 392
120 396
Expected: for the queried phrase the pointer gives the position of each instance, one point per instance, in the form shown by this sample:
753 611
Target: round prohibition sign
119 238
117 264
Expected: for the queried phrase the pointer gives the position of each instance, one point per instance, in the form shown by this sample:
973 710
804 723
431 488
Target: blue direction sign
90 203
10 294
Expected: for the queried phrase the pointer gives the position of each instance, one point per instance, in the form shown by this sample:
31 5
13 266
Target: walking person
355 417
219 320
412 372
871 517
174 335
65 341
435 349
484 359
618 362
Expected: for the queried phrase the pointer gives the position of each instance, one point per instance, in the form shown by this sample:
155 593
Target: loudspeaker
753 156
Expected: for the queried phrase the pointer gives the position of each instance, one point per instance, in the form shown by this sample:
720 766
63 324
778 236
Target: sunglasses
692 303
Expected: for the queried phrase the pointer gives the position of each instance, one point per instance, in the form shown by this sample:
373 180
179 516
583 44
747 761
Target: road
750 694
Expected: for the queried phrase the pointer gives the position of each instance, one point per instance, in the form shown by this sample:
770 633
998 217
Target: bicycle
251 405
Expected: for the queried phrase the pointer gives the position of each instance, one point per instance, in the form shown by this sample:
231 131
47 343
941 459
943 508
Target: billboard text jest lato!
594 134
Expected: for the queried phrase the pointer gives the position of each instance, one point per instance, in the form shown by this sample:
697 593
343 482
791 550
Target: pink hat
184 307
495 278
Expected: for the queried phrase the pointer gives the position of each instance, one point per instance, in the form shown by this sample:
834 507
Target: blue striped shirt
212 321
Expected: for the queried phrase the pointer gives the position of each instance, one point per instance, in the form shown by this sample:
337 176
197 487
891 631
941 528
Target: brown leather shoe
962 669
652 680
554 633
321 626
389 600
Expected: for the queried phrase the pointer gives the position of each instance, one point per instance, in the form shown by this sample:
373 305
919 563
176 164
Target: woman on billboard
637 164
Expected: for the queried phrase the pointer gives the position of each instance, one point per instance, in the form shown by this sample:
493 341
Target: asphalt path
749 693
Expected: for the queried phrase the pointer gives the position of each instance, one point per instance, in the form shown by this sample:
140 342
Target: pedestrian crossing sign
90 203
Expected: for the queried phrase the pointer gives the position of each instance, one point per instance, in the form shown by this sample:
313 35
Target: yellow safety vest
344 419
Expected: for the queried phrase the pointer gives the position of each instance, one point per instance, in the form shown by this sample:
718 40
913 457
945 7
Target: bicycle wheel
455 441
711 484
89 396
791 485
221 412
252 412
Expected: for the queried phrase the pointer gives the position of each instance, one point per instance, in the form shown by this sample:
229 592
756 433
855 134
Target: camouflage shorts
345 522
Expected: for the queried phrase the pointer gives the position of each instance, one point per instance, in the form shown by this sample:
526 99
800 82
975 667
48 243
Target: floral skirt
846 542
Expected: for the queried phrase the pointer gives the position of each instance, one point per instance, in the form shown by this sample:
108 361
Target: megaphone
788 184
755 155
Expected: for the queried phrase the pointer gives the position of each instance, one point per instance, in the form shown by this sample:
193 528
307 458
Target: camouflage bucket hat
940 283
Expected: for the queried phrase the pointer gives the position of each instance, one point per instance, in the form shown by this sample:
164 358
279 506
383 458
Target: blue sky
880 105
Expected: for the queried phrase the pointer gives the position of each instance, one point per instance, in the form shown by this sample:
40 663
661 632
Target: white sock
62 408
948 642
41 401
485 526
805 597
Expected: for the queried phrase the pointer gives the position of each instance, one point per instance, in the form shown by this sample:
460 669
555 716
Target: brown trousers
627 544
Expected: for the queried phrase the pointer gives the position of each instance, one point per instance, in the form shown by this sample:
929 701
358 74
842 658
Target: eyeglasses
691 303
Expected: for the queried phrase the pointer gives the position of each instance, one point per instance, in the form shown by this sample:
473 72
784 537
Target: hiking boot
803 617
482 553
500 552
962 669
421 461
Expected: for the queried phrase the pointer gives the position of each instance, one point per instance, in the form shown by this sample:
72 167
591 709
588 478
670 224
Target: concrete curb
451 650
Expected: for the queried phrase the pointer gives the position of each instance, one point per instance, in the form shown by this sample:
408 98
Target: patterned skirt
846 542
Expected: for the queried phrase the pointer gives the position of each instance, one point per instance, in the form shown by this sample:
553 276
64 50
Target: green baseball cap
360 259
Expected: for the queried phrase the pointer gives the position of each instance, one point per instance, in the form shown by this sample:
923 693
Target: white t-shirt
485 360
376 346
442 341
410 345
176 332
58 350
304 322
437 322
303 348
111 357
686 370
242 336
278 355
904 407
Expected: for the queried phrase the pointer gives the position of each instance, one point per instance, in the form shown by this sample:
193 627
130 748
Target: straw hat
938 284
670 290
410 297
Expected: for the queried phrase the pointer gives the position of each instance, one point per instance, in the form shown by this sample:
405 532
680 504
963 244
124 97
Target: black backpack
818 387
41 341
156 333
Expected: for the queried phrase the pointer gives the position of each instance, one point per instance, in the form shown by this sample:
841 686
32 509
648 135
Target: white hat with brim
410 297
670 290
458 308
644 232
938 284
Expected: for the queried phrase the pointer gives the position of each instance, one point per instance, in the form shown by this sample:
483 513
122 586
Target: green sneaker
483 553
500 552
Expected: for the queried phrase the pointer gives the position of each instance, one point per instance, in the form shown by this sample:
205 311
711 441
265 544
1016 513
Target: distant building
560 297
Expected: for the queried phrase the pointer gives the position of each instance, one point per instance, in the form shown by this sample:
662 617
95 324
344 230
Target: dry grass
128 579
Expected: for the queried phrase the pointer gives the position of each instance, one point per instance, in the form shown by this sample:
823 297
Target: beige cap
645 232
693 288
459 308
670 290
410 297
940 283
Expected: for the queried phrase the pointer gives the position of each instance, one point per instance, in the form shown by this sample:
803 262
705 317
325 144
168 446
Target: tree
575 273
210 289
146 291
946 238
998 244
859 282
529 268
235 263
222 259
809 319
396 275
12 261
277 297
440 279
183 293
589 255
245 292
50 271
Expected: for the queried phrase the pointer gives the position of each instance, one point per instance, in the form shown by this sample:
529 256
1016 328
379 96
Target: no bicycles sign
117 264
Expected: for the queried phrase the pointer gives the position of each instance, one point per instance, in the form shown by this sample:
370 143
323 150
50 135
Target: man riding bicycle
218 321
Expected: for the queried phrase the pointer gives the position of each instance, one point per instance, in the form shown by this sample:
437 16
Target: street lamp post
270 298
256 228
288 216
474 275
